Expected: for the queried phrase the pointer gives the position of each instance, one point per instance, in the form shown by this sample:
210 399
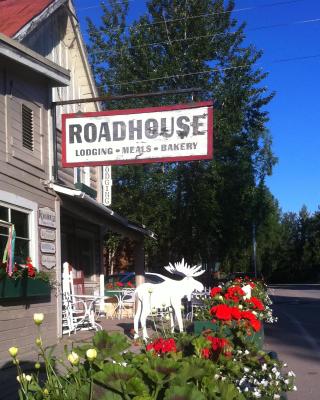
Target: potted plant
238 308
25 281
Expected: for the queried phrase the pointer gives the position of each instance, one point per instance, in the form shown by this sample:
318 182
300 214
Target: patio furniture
197 302
125 303
78 310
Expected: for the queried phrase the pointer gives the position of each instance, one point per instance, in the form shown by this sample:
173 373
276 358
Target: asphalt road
296 335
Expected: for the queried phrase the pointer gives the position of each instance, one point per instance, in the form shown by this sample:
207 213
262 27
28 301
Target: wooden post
138 255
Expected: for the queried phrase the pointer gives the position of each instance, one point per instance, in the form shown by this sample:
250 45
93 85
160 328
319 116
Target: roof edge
23 55
34 22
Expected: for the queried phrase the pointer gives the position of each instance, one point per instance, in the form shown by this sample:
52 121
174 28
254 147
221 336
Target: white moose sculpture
166 294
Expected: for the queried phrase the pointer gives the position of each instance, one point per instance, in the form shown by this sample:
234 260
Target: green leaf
187 392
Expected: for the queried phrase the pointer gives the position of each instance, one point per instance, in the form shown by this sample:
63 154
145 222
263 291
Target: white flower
256 394
28 378
246 389
291 373
91 354
276 396
286 381
294 388
264 367
73 358
240 306
38 318
246 352
264 382
13 351
246 369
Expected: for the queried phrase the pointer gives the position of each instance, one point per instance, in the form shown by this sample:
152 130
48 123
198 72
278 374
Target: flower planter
257 337
25 287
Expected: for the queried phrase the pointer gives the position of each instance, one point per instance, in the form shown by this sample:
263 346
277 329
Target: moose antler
183 269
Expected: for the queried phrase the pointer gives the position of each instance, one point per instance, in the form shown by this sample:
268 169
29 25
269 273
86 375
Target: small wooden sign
47 234
47 217
47 261
47 247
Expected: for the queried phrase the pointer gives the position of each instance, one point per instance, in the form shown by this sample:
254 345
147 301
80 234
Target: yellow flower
39 341
38 318
91 354
28 378
74 358
13 351
45 392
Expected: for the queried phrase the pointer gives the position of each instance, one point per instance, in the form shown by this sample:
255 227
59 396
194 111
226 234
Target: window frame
29 207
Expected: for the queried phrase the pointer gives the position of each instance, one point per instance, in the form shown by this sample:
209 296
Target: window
20 219
82 175
27 128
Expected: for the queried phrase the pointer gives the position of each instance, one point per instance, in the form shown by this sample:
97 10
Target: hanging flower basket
24 287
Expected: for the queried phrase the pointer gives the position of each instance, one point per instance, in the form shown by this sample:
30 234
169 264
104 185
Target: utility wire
212 14
276 61
249 8
280 25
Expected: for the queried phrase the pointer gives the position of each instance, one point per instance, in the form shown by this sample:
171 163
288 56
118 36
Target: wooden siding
57 40
22 173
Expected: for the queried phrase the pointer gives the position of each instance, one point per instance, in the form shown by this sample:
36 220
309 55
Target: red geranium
220 345
215 291
222 311
130 284
205 353
234 293
236 313
119 284
256 303
254 322
31 270
162 346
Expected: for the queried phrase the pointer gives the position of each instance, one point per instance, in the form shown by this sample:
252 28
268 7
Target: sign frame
146 110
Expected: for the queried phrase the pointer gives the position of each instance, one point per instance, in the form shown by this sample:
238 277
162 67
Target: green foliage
203 210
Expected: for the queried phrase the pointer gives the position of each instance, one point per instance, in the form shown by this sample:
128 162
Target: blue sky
294 112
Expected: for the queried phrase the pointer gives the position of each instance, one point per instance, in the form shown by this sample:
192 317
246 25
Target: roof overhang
88 202
23 55
38 19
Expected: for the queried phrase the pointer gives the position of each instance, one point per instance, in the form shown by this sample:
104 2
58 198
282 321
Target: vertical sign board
160 134
106 185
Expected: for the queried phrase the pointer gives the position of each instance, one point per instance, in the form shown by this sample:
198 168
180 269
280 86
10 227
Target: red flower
162 346
234 293
220 345
252 285
119 284
254 322
222 311
31 270
256 303
130 284
236 313
205 353
215 291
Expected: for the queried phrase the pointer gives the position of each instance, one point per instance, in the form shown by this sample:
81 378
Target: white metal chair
197 302
78 310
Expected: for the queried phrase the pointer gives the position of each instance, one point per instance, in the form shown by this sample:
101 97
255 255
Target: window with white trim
20 218
82 175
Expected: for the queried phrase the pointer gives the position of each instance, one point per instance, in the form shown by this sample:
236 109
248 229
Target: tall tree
201 210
